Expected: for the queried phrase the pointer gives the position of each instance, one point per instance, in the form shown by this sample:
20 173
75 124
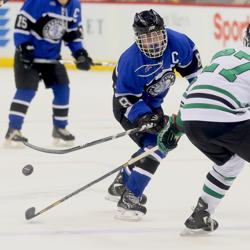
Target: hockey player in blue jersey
40 29
142 79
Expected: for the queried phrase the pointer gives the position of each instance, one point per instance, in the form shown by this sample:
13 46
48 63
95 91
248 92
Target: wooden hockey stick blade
30 213
52 151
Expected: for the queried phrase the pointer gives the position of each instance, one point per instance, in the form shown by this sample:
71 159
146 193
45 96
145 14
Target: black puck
27 170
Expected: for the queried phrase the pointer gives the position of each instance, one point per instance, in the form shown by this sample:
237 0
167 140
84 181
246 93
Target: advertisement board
108 27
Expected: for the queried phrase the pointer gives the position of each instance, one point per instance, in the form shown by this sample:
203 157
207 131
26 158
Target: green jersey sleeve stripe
210 106
222 91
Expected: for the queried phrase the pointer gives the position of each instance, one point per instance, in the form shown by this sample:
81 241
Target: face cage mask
152 44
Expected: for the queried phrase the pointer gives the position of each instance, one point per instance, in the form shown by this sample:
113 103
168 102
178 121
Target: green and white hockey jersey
221 92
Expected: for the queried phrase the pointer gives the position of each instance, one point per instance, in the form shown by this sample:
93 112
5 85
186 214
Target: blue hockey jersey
141 83
46 23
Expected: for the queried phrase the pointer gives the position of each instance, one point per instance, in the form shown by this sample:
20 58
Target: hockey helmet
246 38
150 33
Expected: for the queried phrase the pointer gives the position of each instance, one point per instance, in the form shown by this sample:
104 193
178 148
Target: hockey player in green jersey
215 116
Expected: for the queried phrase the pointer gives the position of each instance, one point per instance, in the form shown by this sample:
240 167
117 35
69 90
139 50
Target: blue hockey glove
26 54
169 136
155 120
83 61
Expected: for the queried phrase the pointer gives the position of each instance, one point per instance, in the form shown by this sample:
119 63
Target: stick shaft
62 61
131 161
89 144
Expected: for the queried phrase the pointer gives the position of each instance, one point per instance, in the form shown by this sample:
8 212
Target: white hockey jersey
221 92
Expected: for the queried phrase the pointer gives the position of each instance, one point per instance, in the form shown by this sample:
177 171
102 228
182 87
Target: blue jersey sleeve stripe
191 76
65 18
23 32
27 15
126 94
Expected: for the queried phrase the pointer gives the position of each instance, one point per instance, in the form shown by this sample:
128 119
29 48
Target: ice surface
86 221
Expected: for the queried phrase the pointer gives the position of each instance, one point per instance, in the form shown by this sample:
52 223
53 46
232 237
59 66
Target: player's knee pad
152 161
20 103
231 168
61 93
25 95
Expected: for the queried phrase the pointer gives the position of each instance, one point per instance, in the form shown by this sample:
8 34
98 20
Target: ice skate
129 207
62 137
14 139
200 221
117 188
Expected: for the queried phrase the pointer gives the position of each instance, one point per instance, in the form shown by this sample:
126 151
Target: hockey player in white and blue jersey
142 79
40 29
215 116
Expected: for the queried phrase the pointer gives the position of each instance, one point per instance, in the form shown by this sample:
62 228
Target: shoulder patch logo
54 29
156 87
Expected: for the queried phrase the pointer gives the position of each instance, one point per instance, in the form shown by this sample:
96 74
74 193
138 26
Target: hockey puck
27 170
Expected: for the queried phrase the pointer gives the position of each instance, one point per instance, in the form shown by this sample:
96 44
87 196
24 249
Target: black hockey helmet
246 38
147 21
150 33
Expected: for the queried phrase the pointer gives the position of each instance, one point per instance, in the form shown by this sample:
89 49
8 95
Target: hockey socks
19 107
137 181
219 180
141 174
60 105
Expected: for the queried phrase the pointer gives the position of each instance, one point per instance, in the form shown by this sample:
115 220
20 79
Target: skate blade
61 143
112 198
9 144
128 215
194 232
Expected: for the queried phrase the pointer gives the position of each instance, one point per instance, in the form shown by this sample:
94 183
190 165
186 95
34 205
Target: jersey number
230 74
124 102
22 22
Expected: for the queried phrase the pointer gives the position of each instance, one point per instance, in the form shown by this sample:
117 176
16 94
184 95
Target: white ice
86 221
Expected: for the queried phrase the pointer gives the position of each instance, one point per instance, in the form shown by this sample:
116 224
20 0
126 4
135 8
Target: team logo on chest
160 85
54 29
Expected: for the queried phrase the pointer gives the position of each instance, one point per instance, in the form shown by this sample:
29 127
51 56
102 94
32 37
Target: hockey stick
31 212
88 144
61 61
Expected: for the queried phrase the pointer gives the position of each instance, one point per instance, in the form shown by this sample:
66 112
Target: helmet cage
152 44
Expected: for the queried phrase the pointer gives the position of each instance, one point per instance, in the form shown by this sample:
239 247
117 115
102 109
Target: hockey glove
156 121
83 61
169 136
26 54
